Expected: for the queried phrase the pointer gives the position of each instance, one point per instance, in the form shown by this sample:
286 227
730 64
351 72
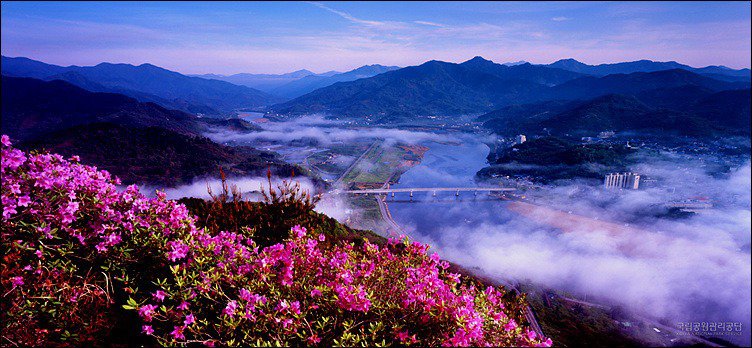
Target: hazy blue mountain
25 67
526 71
676 98
514 63
730 109
432 88
725 112
263 82
147 82
330 73
507 116
479 85
310 83
718 72
32 108
634 83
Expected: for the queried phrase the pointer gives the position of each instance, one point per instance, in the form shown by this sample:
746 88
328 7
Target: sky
279 37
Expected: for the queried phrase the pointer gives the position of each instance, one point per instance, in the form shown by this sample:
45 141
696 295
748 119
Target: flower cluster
76 249
302 291
68 236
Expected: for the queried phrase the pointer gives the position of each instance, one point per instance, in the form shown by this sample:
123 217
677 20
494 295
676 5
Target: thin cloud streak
346 15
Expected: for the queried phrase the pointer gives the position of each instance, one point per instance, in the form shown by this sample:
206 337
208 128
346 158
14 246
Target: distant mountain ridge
718 72
478 86
633 83
147 82
310 83
543 75
262 82
296 83
431 88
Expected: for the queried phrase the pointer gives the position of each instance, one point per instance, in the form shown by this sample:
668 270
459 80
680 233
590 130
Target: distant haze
280 37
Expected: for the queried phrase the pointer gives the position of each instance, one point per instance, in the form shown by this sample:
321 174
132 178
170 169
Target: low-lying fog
692 269
323 131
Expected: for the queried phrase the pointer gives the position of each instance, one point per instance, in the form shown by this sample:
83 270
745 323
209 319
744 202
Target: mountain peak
568 61
479 59
298 73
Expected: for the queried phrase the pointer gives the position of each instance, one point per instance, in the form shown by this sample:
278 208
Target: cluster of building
622 180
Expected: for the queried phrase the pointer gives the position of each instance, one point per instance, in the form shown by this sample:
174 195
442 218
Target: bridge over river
411 190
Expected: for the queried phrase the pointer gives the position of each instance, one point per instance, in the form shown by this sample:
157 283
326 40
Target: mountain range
718 72
147 83
297 83
431 88
310 83
478 86
565 96
263 82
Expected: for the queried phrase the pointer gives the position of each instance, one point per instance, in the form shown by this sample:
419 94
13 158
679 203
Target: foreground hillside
87 264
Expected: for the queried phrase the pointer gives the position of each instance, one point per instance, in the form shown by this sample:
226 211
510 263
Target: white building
622 180
520 139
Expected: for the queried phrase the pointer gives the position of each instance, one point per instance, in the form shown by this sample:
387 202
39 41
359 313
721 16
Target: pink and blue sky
278 37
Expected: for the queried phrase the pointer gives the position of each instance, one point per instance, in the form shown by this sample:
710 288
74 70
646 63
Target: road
392 227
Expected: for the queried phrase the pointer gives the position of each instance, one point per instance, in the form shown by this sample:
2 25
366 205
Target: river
446 165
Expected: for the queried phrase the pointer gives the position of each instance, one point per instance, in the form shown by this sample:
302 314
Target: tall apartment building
622 180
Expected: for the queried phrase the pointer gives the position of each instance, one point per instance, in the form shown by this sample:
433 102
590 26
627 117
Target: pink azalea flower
23 201
531 335
160 295
313 339
510 326
315 293
189 319
147 329
147 311
230 309
177 333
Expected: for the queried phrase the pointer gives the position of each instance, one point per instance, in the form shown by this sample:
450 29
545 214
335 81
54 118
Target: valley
275 191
